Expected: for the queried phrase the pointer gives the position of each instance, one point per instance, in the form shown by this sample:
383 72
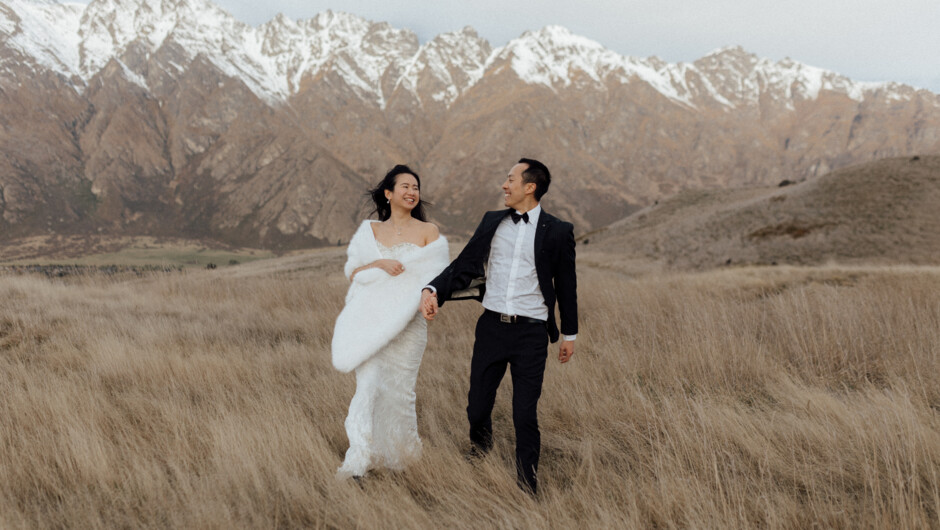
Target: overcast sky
866 40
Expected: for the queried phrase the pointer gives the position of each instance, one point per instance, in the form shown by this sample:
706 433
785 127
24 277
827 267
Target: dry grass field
772 397
90 250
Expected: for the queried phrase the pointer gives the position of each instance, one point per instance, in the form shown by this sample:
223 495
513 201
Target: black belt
514 319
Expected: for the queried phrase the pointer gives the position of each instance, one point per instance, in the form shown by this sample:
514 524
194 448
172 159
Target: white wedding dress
382 426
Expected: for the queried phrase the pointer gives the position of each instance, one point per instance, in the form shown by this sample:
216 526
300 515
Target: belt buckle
507 319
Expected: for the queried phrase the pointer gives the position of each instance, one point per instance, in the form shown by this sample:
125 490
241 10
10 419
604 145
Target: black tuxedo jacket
465 277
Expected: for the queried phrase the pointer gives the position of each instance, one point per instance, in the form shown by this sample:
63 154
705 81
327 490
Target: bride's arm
391 266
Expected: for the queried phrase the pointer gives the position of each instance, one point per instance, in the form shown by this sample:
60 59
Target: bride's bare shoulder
430 232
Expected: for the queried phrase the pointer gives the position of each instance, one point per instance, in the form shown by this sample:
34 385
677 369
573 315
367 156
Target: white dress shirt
512 284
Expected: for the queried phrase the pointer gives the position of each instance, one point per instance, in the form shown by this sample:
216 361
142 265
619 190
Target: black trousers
524 348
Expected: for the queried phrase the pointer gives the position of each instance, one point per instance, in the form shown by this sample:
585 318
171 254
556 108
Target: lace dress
381 425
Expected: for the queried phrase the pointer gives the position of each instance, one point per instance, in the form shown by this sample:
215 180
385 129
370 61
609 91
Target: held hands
566 351
428 304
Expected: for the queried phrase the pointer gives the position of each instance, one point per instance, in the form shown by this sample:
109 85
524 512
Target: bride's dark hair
388 183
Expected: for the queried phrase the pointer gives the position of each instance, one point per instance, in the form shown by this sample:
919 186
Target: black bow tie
516 217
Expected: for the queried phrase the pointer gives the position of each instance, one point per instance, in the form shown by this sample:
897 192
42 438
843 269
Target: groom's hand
428 304
566 351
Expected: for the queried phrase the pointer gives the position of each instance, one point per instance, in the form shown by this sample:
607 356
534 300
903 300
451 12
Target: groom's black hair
388 183
537 173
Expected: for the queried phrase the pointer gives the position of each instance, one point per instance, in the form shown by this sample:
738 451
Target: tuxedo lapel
466 276
542 266
493 222
540 232
487 230
546 266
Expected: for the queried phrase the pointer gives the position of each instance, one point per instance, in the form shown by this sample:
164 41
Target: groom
525 259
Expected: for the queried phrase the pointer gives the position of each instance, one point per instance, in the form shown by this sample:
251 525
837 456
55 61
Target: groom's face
514 189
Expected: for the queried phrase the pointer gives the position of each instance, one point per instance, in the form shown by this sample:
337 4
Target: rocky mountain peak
281 20
446 66
553 55
108 27
133 115
730 55
740 78
464 47
280 35
43 31
384 40
338 23
375 58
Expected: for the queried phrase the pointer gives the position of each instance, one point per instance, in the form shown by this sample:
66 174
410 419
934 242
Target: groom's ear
529 187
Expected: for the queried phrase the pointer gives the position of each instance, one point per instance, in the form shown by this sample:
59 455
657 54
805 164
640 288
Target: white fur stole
379 305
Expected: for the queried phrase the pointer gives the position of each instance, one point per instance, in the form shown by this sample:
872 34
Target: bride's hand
393 267
428 303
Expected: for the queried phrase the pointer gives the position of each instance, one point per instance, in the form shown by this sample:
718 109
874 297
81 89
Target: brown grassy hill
880 212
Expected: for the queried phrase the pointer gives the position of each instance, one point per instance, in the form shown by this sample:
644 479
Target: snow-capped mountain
374 58
171 115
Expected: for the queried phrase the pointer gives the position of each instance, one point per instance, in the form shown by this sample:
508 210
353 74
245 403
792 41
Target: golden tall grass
775 397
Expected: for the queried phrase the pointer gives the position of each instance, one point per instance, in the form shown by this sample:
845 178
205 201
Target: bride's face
406 193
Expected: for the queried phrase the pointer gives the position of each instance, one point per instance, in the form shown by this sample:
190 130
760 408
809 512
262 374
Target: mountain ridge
546 56
174 119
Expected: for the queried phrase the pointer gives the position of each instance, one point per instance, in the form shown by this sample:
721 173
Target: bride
380 333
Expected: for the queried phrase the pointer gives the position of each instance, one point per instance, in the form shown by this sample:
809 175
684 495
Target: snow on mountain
451 62
742 76
45 30
375 59
373 62
292 49
554 56
730 76
109 27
